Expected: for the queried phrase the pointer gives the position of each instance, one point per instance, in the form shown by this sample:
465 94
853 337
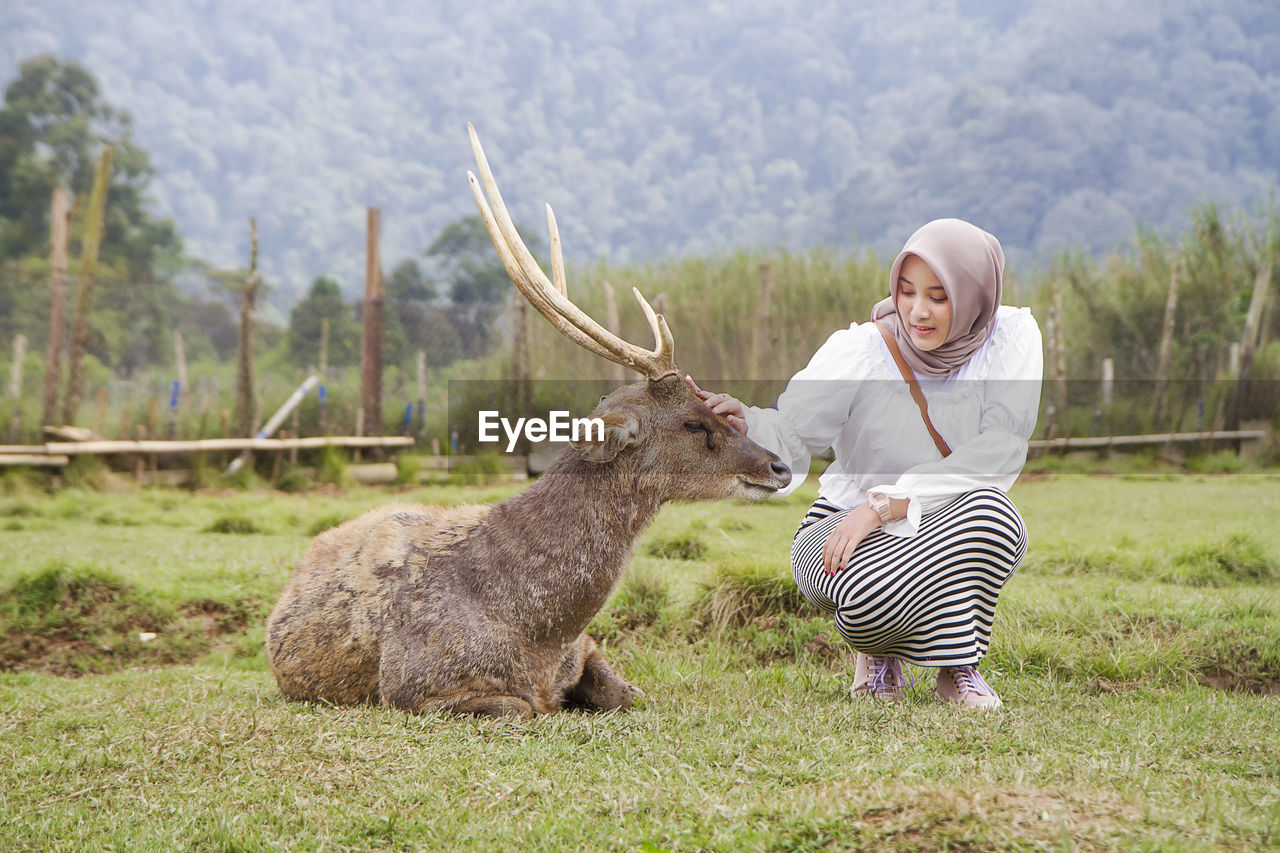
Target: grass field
1137 651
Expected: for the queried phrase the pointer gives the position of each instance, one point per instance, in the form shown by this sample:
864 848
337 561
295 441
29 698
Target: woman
907 546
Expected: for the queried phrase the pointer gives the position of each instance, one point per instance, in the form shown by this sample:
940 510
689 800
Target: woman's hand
846 536
723 405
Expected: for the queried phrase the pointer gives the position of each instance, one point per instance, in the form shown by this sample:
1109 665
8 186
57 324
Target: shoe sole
966 705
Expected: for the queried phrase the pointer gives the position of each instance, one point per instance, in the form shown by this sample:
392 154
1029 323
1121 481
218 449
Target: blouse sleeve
815 405
995 456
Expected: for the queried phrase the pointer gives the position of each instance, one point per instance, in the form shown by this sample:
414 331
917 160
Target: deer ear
621 430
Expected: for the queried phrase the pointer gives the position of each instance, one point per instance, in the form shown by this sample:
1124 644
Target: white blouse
852 398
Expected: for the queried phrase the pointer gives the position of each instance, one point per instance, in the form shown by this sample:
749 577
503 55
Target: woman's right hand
729 408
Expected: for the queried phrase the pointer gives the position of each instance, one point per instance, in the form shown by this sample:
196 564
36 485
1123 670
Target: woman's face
922 304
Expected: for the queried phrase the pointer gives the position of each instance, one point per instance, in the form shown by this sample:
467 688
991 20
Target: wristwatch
879 501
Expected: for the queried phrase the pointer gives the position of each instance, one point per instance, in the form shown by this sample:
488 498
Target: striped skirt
929 599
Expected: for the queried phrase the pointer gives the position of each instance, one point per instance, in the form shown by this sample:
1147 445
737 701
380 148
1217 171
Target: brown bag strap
916 393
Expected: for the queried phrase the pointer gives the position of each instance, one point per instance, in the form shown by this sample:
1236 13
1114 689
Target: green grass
1137 651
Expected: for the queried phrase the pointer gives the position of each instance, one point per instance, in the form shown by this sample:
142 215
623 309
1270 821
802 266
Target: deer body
428 608
479 609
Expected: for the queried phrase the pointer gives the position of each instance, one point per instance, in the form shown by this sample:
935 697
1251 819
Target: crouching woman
928 407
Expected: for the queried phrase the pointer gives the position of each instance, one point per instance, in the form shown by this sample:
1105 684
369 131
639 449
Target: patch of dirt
72 622
962 822
1106 685
821 648
217 617
1223 679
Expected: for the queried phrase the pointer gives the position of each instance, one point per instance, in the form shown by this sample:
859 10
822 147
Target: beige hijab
970 265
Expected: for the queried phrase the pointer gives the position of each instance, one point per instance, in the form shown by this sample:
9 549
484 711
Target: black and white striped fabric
929 599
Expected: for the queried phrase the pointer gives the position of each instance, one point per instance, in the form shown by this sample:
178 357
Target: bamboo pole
371 349
278 418
84 289
245 396
57 307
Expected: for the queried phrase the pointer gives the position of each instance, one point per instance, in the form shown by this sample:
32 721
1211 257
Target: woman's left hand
845 538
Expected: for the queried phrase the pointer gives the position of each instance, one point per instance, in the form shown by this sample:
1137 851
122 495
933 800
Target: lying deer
481 609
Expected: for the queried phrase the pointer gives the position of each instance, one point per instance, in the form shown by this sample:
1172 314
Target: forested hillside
663 128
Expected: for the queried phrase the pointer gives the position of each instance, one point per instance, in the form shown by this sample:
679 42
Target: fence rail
1155 438
82 448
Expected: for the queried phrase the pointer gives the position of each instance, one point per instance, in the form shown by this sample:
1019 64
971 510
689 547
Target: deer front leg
598 686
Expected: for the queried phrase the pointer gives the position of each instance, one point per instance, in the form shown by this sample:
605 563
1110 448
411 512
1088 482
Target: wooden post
100 412
324 349
15 386
57 307
1248 343
359 431
371 350
1166 348
84 289
523 397
140 462
245 396
617 373
1059 358
760 344
422 393
1056 363
15 369
1108 381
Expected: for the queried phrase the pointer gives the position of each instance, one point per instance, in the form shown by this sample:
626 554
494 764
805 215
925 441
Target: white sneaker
880 677
965 686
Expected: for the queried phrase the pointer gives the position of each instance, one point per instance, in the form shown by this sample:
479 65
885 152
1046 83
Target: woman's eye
939 299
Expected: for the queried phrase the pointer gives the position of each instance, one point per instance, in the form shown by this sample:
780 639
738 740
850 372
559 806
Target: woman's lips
922 330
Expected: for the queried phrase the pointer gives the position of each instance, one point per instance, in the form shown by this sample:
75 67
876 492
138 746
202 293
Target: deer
482 609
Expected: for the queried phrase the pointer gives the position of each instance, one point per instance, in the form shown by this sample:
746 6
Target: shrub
746 590
294 480
640 599
686 546
482 468
233 524
332 467
327 522
1237 559
408 469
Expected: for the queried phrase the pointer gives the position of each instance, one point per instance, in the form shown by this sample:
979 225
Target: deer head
658 428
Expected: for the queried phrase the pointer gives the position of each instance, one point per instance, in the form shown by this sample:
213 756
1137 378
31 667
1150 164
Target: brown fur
481 609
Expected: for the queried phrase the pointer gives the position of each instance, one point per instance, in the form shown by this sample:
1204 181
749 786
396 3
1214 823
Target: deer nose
780 470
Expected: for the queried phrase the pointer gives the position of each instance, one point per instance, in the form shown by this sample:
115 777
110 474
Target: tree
53 126
408 297
469 264
323 302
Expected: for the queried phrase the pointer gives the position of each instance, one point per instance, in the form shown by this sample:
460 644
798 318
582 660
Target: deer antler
551 298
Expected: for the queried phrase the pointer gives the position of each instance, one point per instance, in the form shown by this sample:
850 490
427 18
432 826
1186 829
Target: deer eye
699 426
